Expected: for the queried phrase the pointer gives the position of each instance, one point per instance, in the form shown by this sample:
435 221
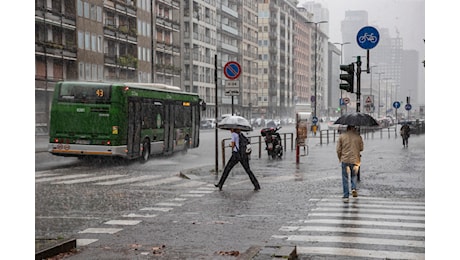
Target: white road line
129 180
157 209
353 252
101 230
364 222
361 215
192 195
357 205
398 232
158 182
201 191
123 222
65 177
169 204
188 184
375 200
98 178
134 215
85 241
356 210
357 240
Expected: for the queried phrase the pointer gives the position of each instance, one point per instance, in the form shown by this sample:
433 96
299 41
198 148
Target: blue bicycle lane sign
368 37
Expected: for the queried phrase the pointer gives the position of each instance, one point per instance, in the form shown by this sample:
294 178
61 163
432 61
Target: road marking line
66 177
357 240
398 232
361 206
359 253
158 209
134 215
361 215
192 195
356 210
101 230
134 179
375 200
89 179
123 222
158 182
85 241
364 222
169 204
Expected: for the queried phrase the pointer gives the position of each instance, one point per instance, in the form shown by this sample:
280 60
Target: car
208 123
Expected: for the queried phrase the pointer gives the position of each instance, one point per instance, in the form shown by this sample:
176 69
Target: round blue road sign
314 120
408 107
232 70
368 37
396 104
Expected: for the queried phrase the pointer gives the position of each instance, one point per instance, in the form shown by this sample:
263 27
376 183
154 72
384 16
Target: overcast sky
406 16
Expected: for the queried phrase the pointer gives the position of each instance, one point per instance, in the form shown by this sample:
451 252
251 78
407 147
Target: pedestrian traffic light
348 77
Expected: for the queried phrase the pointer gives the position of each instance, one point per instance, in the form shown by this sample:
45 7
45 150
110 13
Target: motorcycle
272 141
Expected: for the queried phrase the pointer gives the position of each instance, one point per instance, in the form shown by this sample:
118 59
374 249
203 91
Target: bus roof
152 86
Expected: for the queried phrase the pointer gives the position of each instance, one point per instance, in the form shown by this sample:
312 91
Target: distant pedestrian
405 134
237 156
349 147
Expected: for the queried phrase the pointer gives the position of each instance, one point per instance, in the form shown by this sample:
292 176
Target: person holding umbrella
236 157
349 147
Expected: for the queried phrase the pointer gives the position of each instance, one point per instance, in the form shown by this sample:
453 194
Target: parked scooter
272 141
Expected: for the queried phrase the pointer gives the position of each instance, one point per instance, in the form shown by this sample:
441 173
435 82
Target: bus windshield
83 93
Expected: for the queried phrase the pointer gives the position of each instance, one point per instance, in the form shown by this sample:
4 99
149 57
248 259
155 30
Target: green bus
128 120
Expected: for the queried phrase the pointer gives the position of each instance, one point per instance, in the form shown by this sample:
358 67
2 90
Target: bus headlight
114 130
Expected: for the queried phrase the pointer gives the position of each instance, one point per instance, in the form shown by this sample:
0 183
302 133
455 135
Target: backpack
244 144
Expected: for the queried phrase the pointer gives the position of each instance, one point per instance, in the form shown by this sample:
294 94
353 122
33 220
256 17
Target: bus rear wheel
145 152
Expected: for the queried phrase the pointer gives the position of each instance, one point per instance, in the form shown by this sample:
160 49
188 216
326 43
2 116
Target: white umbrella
235 122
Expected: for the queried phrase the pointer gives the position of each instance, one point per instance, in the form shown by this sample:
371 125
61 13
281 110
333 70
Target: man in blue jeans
349 149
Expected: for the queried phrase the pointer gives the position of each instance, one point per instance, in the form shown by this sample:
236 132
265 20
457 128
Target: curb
63 247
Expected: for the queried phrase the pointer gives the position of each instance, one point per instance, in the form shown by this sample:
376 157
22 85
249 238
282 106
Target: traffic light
349 77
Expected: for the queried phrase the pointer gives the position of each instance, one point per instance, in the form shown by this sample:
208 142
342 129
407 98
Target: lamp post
316 62
378 109
341 62
386 95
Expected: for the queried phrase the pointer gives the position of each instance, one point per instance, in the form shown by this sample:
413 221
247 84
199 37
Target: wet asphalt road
188 218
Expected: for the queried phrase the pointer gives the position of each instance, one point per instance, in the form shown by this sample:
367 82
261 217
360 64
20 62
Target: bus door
134 127
169 128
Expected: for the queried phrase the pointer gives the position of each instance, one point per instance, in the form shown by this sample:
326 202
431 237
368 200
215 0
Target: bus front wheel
145 151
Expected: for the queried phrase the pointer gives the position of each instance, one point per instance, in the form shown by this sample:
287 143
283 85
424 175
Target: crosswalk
366 227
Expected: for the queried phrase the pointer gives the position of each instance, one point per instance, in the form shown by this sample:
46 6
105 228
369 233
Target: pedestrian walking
405 134
237 156
349 147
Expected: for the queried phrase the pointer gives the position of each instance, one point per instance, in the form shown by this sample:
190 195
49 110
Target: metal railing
257 142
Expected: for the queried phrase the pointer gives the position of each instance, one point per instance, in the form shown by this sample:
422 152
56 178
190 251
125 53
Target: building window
79 8
81 40
86 9
81 71
88 71
99 14
87 41
99 43
93 42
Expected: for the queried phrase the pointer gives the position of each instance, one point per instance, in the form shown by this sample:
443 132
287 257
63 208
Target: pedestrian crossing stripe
357 240
101 230
123 222
366 227
65 177
353 252
90 179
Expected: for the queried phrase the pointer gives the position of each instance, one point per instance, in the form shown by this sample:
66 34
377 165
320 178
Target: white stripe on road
123 222
360 206
169 204
101 230
192 195
354 252
375 200
157 209
364 222
85 241
129 180
89 179
66 177
356 240
398 232
188 184
158 182
134 215
361 215
356 210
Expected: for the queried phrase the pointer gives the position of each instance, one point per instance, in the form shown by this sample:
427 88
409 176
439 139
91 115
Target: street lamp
386 95
378 110
341 62
370 71
316 62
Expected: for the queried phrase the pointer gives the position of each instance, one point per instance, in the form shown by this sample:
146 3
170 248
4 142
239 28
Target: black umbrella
235 122
357 119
